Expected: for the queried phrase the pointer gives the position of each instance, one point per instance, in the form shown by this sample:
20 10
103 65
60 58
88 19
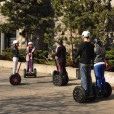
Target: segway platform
30 74
15 79
59 80
80 95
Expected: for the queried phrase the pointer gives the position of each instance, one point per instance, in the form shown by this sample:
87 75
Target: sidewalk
50 68
40 96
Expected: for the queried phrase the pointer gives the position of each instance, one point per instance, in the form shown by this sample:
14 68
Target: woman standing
29 55
15 55
99 65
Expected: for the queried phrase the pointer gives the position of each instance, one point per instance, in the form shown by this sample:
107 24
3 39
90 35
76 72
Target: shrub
110 56
40 56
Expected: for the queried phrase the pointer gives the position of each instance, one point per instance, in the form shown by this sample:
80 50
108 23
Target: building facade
6 39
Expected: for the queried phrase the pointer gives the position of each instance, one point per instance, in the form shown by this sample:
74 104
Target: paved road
40 96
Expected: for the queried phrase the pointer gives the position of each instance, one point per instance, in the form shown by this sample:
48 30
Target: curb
73 73
41 68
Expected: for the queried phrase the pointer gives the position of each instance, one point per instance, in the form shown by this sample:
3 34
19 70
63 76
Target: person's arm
15 52
97 49
93 54
27 50
58 52
33 49
78 52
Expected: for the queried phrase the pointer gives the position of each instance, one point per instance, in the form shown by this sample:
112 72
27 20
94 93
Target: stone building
6 39
112 2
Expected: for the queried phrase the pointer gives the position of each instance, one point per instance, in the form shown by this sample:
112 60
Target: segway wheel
57 79
108 90
35 72
54 73
95 92
15 79
79 94
65 79
24 72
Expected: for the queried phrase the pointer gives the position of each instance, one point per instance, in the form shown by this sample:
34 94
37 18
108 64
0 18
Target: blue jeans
100 79
86 81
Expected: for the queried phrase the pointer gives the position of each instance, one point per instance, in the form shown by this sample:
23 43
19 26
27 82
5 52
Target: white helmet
30 43
15 42
86 34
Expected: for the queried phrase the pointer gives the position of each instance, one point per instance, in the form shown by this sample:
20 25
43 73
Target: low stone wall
40 68
50 68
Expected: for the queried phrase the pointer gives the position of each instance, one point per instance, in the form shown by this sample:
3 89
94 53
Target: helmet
60 42
95 40
15 42
30 43
86 34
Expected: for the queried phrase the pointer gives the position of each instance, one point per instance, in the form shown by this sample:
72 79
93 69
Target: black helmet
60 42
95 40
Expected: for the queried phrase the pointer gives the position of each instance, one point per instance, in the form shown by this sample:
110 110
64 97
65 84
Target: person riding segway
30 70
104 88
60 77
86 53
15 78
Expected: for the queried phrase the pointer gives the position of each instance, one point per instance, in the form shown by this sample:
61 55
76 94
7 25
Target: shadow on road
34 104
71 84
100 99
43 76
24 84
45 82
45 104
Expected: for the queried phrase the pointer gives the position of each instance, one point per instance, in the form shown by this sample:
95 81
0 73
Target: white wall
50 68
112 2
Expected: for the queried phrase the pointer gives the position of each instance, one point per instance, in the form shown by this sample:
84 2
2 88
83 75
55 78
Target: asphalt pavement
39 96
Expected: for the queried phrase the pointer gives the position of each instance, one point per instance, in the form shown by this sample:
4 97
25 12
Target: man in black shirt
86 53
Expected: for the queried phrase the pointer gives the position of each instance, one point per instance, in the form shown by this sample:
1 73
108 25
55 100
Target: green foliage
82 15
40 56
33 16
110 56
57 5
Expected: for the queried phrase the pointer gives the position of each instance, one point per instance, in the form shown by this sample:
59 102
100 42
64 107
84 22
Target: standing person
29 55
99 65
61 57
15 55
86 53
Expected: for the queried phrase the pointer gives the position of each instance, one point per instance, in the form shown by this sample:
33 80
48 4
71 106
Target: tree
35 17
93 15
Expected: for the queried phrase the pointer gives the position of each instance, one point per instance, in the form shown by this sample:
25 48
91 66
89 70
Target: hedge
110 56
40 56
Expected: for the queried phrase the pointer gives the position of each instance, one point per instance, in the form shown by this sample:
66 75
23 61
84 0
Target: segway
15 79
58 79
107 93
30 72
80 95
